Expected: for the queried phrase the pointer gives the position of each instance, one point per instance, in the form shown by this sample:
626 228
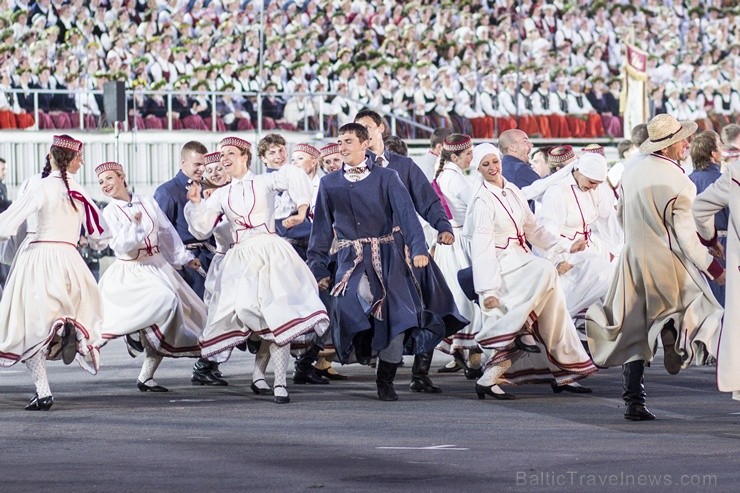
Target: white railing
316 98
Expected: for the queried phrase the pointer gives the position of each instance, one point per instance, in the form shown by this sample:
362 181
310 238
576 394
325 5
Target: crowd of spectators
554 69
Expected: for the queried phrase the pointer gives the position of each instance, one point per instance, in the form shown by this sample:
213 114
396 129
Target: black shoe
280 399
387 393
452 369
242 346
574 389
216 371
484 391
310 375
203 374
69 343
206 378
331 375
671 359
136 345
473 373
150 388
253 345
527 348
638 412
258 391
42 404
422 383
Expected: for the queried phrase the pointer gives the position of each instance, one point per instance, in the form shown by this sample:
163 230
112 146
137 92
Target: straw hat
663 131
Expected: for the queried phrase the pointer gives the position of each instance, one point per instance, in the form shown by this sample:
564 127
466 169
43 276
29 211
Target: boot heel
481 395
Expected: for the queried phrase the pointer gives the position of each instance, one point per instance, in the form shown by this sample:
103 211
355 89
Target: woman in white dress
144 299
522 302
573 209
51 306
455 158
265 287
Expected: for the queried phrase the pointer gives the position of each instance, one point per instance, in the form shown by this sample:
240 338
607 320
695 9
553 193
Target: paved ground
104 435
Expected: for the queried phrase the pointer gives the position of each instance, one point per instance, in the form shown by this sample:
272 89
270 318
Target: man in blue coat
172 197
378 305
515 146
438 301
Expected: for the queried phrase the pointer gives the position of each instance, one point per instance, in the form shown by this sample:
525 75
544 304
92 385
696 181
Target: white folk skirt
587 282
48 286
533 298
149 295
266 289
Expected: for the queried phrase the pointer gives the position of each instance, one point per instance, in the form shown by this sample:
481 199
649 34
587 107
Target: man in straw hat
659 288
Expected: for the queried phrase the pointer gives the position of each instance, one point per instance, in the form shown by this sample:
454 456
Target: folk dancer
51 306
659 288
523 305
265 287
144 299
377 304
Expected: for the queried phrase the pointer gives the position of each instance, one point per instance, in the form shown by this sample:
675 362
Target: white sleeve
169 242
15 215
295 181
539 187
553 244
126 236
552 213
202 217
607 227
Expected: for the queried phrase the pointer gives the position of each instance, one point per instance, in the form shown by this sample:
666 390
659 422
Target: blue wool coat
369 208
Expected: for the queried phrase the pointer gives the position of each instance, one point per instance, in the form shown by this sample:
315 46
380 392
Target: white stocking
493 373
37 366
151 362
280 356
260 365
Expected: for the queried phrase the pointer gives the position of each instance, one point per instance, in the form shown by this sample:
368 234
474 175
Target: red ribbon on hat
92 218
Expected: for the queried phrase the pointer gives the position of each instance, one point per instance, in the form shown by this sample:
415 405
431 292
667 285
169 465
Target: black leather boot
203 374
634 392
305 372
420 381
384 380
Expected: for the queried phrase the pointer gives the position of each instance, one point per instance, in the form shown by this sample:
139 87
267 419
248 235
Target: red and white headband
236 142
66 142
308 149
213 157
465 143
329 149
109 166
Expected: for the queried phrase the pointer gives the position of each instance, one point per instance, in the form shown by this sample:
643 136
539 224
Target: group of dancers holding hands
347 251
